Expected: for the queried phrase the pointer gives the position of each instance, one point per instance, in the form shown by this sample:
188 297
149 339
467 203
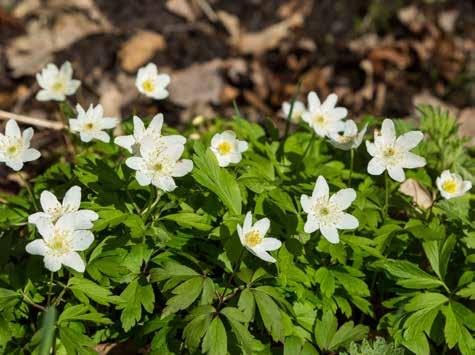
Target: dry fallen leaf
138 50
199 83
420 196
467 124
182 8
413 18
27 54
447 20
258 43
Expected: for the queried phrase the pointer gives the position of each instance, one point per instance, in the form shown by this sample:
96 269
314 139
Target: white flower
152 84
91 124
53 209
133 141
15 146
393 154
227 148
324 117
61 241
298 110
159 167
452 185
56 83
351 138
252 237
326 213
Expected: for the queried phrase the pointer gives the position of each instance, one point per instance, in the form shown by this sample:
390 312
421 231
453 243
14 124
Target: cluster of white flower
64 228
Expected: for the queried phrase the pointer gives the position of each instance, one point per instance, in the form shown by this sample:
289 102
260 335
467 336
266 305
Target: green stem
235 269
386 203
50 288
309 146
352 159
30 191
152 203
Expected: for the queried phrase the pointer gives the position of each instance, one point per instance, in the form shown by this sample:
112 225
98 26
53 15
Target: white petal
49 201
72 87
240 234
125 142
467 185
216 140
52 263
45 228
242 146
45 95
228 136
350 128
313 101
108 122
66 70
312 224
306 203
35 217
247 223
135 163
262 226
81 240
166 183
388 131
396 173
343 198
74 261
265 256
270 244
85 137
411 161
182 168
330 234
157 123
143 179
87 215
30 155
371 148
26 136
409 140
37 247
12 129
223 160
338 114
347 221
174 152
139 128
376 166
102 136
173 140
72 199
163 80
321 189
16 165
329 102
234 157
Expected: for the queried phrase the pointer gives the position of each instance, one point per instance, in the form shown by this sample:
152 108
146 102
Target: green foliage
168 272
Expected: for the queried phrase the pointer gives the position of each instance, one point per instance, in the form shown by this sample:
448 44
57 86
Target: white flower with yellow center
324 118
91 124
350 139
56 83
252 237
152 84
227 148
132 142
159 167
53 209
15 146
393 154
61 241
452 185
297 111
326 213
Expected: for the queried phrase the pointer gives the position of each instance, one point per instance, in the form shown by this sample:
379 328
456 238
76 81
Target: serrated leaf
215 341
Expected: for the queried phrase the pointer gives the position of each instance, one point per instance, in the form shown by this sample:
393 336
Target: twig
208 10
57 126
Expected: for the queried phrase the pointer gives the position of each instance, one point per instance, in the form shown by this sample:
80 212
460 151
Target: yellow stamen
450 186
58 86
253 238
148 85
225 148
389 152
319 119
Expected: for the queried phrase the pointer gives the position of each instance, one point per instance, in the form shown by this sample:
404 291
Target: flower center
319 119
324 211
89 126
158 167
389 152
346 139
225 148
253 238
450 186
59 243
148 85
58 86
13 148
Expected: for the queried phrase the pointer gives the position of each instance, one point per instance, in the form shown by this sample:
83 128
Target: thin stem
50 288
386 203
152 204
309 146
30 191
352 159
30 302
236 267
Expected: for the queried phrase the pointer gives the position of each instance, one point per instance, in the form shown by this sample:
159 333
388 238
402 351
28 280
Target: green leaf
8 298
189 220
270 314
197 327
81 312
99 294
347 333
325 329
133 298
185 294
173 269
326 281
245 338
75 342
215 341
410 275
208 173
468 292
247 304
